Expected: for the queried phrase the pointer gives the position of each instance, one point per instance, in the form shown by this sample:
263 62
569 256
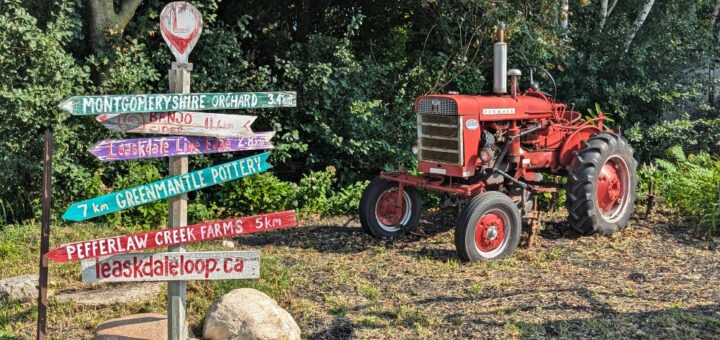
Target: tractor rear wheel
602 185
488 227
380 214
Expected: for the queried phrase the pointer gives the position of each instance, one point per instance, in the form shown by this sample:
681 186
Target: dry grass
652 280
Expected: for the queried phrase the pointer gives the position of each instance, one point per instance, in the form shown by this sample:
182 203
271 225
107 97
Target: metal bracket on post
181 66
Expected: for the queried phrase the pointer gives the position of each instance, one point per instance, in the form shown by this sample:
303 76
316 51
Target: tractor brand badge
472 124
500 111
435 106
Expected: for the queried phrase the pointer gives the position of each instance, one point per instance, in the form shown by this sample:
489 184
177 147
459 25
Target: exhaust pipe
500 61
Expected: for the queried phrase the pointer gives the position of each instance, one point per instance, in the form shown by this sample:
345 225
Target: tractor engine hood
486 108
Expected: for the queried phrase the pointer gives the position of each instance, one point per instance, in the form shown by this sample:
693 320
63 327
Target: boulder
21 288
137 327
247 313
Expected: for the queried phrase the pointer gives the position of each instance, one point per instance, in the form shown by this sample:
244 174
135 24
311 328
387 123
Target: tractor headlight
414 149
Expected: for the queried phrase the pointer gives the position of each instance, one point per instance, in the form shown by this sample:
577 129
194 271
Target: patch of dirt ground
650 280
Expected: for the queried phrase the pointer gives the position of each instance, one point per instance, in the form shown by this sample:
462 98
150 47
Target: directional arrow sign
172 236
173 266
140 103
138 148
167 187
183 123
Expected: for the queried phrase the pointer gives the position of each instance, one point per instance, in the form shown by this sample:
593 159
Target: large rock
146 326
21 288
247 313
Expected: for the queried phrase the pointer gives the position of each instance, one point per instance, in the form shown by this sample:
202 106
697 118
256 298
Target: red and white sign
172 266
172 236
180 25
180 122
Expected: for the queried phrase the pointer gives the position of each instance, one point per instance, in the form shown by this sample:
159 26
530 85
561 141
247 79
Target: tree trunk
104 22
713 18
564 13
605 12
304 20
644 11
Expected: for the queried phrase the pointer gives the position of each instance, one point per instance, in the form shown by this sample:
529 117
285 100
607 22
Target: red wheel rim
612 188
490 232
387 212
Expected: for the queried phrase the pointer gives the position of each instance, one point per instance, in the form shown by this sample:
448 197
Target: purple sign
137 148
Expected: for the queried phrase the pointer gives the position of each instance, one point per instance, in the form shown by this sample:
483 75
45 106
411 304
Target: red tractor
488 154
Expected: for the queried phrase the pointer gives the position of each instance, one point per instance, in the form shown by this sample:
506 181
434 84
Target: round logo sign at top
180 25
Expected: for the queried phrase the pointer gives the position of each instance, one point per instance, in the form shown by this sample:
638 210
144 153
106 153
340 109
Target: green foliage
689 183
146 216
357 67
314 191
657 78
652 141
128 69
346 108
595 113
200 211
347 200
37 74
314 195
256 194
545 199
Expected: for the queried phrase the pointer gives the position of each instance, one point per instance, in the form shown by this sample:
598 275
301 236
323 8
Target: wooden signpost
167 187
141 103
170 237
183 123
174 28
172 266
111 259
139 148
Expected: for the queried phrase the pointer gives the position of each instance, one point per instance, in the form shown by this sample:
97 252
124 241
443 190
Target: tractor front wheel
601 185
488 227
383 214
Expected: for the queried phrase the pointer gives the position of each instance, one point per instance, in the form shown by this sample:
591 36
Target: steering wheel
547 73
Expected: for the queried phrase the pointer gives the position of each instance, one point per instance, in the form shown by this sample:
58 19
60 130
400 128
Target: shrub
256 194
200 211
347 200
36 74
315 194
314 191
651 142
689 184
146 216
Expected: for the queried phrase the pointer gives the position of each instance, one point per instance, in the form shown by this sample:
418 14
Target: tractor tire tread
580 191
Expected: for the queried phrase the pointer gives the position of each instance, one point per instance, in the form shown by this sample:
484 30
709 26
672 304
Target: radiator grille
438 106
439 138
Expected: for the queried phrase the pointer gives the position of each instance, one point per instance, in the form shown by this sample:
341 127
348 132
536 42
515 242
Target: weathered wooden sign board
181 123
139 148
142 103
172 236
180 26
167 187
172 266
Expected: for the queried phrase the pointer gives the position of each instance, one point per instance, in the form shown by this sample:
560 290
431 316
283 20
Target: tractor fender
575 142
